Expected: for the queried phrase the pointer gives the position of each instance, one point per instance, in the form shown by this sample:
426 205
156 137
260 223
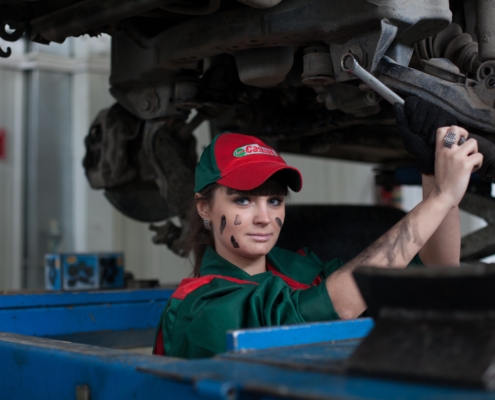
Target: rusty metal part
455 45
174 162
443 68
140 201
480 243
349 64
294 23
114 161
210 8
147 101
349 99
485 17
457 99
260 3
107 160
88 15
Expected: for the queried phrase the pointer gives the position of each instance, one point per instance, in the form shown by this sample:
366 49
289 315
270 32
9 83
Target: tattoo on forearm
391 245
223 223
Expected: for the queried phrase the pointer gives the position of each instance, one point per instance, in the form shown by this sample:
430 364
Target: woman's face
245 226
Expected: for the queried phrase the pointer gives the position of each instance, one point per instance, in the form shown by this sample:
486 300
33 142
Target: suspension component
485 15
455 45
318 67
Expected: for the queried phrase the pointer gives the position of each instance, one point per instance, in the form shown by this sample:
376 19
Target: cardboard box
84 271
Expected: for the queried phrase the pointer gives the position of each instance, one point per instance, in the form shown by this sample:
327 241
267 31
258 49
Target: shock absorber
455 45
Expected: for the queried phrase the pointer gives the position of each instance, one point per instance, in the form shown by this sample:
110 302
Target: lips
260 237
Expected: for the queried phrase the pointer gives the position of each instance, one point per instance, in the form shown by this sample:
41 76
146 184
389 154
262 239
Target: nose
262 216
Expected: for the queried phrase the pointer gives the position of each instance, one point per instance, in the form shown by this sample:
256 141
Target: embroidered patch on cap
253 149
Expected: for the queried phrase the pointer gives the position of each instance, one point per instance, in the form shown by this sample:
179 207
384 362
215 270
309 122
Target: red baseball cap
242 162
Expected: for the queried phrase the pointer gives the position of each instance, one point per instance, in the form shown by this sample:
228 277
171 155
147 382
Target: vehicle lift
76 346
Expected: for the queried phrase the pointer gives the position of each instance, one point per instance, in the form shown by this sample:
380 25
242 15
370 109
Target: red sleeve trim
291 282
189 285
159 348
318 279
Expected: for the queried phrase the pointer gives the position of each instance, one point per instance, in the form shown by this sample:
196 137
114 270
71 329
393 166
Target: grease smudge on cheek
279 222
237 220
234 243
223 222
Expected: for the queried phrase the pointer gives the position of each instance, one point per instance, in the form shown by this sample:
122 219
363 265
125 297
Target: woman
241 280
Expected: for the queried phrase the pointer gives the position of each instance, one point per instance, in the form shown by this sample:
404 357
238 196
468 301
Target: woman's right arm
397 247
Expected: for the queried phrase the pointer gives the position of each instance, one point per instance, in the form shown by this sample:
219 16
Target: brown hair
200 238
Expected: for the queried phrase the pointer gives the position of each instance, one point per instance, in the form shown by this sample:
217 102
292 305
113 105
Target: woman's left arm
443 249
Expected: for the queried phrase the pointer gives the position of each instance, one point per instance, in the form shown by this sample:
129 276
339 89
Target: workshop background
49 96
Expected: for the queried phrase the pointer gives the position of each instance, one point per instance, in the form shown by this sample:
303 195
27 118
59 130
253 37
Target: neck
251 266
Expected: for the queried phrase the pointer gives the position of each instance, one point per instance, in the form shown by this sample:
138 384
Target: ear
202 206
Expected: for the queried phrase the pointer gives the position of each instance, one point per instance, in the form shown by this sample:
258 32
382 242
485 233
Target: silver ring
449 140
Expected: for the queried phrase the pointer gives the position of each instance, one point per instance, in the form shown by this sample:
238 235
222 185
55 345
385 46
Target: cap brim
250 176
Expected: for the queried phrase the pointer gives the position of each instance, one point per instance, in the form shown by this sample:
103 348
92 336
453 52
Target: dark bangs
276 185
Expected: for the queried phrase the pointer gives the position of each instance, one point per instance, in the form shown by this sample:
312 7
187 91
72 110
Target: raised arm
397 247
443 249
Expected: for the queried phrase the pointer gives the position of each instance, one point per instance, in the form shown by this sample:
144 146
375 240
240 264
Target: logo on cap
253 149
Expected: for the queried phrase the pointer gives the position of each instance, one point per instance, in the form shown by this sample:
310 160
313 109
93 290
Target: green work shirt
201 310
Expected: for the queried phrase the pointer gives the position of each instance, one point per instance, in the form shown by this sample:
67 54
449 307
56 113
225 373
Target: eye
276 201
241 201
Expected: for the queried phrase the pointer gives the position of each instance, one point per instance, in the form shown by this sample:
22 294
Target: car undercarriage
269 68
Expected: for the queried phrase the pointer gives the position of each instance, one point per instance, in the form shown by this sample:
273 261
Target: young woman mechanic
241 280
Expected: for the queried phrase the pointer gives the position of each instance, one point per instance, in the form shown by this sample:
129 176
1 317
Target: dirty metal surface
457 99
432 325
322 357
57 314
118 374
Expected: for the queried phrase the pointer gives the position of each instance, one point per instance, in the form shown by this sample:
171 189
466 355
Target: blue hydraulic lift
72 346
